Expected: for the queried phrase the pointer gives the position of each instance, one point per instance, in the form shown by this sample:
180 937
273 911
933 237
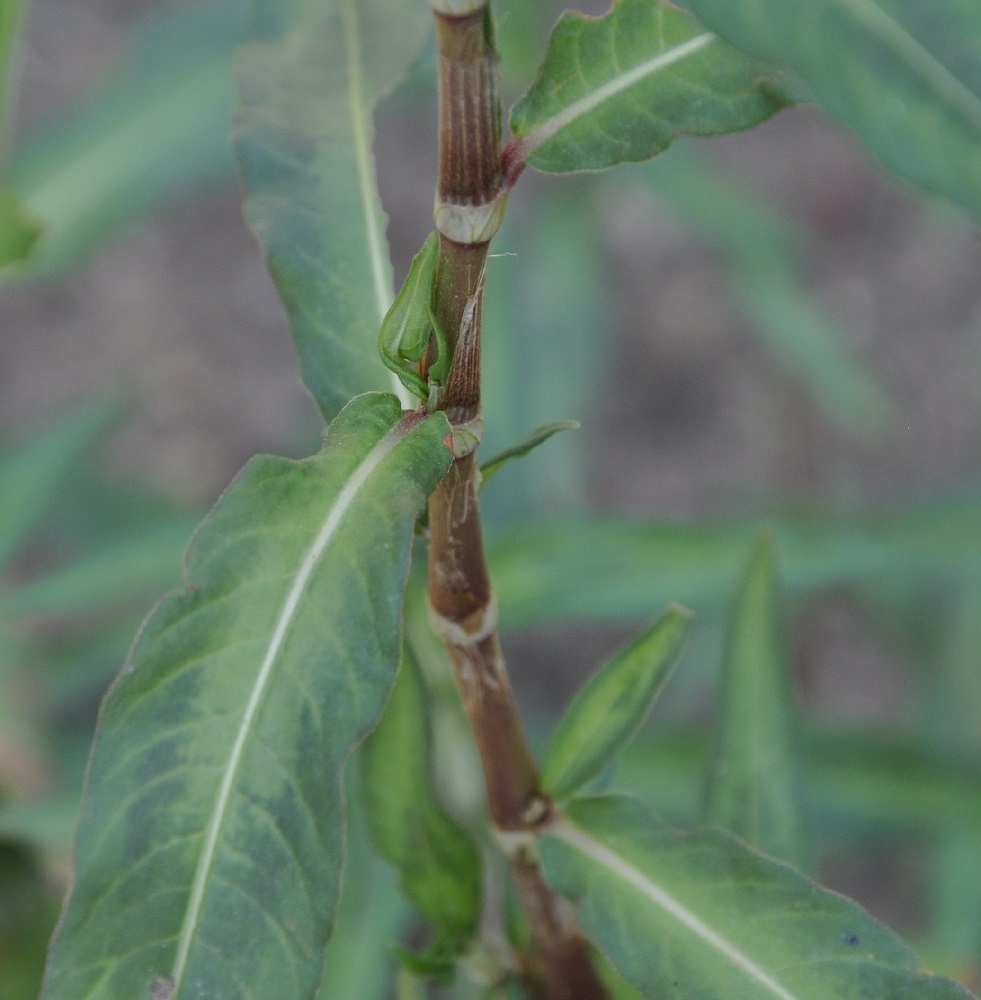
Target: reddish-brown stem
469 202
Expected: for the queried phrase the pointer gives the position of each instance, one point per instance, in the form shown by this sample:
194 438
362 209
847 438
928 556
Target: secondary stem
469 206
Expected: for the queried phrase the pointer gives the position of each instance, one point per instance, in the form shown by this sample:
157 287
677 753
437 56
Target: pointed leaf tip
612 706
753 789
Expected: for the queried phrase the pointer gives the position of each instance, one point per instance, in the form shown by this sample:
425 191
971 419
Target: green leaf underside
622 87
303 138
537 437
612 706
438 864
210 843
701 915
752 787
158 127
905 75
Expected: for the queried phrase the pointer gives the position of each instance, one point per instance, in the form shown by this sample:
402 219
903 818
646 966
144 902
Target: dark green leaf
622 87
701 915
438 865
158 127
539 436
210 843
753 786
611 707
303 136
904 74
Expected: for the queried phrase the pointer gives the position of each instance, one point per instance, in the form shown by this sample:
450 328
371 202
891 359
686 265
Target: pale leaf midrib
359 113
921 61
612 88
579 839
311 559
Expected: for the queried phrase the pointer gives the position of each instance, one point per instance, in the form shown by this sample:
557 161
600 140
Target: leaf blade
924 56
610 708
303 135
701 915
214 787
621 87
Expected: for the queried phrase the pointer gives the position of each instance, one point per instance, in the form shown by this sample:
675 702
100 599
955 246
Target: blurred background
755 327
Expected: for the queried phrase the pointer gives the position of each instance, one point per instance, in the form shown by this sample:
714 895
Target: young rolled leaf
753 788
407 327
612 706
924 54
303 137
210 844
622 87
438 864
702 915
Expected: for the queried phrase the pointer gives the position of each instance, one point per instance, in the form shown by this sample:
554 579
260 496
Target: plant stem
469 206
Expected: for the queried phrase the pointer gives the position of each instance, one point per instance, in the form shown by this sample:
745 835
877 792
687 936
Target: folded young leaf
702 915
210 844
438 864
753 791
612 706
622 87
303 138
905 75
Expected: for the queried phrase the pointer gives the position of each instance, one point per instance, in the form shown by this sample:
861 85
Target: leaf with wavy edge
905 75
622 87
701 915
303 137
210 843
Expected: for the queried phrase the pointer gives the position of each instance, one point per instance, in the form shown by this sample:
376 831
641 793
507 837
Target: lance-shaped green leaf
438 864
537 437
904 74
158 127
752 790
210 843
303 137
702 915
612 706
622 87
